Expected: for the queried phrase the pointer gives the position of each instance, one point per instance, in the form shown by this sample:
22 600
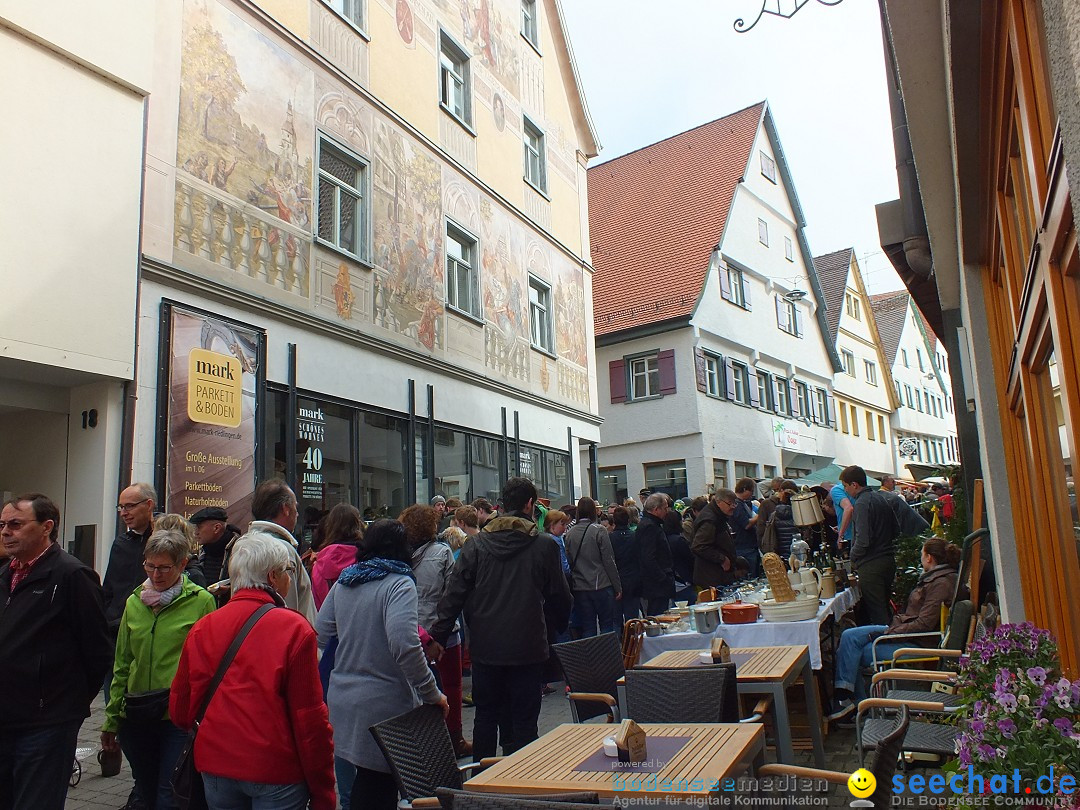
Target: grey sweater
380 670
591 558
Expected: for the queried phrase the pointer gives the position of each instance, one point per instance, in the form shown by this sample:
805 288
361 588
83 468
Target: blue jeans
595 607
152 749
234 794
856 652
344 775
35 765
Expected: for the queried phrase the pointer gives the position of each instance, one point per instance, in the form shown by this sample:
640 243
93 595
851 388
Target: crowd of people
181 635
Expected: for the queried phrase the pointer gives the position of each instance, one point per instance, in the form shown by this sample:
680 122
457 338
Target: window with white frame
736 283
926 398
765 390
745 469
535 156
847 360
787 316
644 377
802 392
851 306
789 249
543 335
454 80
741 387
462 276
668 477
783 404
870 369
907 392
530 28
763 232
869 426
351 10
719 472
341 205
768 167
903 355
712 375
821 406
918 354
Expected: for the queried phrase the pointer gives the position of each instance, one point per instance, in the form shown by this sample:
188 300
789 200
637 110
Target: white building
707 314
74 99
865 397
924 424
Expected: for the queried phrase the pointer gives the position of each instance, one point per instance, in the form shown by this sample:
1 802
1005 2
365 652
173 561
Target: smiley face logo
861 783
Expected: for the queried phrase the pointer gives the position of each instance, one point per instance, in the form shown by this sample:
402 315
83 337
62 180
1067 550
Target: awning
830 474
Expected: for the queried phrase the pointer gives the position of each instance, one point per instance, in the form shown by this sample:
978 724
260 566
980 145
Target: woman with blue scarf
380 670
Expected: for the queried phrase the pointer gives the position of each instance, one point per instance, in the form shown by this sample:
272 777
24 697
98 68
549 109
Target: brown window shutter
793 394
617 375
725 283
752 385
729 379
665 362
699 370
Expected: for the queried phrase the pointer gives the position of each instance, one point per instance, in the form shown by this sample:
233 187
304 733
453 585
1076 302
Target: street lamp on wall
779 8
795 295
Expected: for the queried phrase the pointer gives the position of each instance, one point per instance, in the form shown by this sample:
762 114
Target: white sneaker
843 709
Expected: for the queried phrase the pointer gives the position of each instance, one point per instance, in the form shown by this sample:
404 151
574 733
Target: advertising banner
213 371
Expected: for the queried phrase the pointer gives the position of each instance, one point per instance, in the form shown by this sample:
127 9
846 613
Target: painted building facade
708 315
864 390
69 324
376 210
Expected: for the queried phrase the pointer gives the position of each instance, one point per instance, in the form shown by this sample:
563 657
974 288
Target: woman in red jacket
265 741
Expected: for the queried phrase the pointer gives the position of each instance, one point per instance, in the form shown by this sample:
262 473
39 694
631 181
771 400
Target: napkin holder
630 742
721 652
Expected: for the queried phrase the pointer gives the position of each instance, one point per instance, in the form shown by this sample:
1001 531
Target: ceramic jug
828 584
810 582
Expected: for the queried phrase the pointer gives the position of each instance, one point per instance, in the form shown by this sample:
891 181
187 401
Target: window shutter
729 379
745 291
793 394
725 282
617 375
781 314
752 384
830 408
665 363
777 382
699 370
796 327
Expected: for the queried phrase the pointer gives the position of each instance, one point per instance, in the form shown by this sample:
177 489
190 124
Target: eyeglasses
289 569
127 507
158 569
14 525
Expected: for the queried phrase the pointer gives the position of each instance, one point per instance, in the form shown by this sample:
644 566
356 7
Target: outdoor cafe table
762 671
711 753
759 633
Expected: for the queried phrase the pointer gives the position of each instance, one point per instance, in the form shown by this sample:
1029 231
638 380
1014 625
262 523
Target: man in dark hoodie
509 584
713 543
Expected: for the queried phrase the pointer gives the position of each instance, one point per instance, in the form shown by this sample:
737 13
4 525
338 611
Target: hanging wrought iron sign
778 8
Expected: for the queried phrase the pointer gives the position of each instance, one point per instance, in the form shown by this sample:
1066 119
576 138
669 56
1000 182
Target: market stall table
556 763
759 633
763 671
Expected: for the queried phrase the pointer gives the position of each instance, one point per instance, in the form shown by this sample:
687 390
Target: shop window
451 464
613 487
668 477
324 460
382 446
485 475
768 471
275 463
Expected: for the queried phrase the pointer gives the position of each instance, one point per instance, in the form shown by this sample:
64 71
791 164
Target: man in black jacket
125 569
214 531
657 569
56 651
509 584
713 544
873 550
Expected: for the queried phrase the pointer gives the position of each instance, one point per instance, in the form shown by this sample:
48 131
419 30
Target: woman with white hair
265 740
157 619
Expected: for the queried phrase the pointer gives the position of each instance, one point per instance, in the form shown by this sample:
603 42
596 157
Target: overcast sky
651 70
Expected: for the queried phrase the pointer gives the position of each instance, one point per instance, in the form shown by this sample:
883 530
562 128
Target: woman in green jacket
157 618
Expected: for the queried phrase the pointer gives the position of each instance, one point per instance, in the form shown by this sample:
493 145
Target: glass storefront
548 469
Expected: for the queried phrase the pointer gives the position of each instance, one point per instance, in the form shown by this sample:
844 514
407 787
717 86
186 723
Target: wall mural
244 149
491 29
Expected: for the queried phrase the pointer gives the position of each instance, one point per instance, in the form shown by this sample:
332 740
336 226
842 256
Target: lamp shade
806 509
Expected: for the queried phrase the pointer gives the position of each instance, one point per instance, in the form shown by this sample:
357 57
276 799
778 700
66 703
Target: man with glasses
712 542
125 569
56 652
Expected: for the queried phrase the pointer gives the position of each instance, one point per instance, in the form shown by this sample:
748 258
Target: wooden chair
882 763
418 748
592 667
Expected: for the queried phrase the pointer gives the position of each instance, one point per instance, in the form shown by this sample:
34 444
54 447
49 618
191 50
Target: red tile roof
655 216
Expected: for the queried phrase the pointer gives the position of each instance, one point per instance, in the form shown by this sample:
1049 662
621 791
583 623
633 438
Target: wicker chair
695 695
592 666
456 799
882 763
922 736
496 801
418 749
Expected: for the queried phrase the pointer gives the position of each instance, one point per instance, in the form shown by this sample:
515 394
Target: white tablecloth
758 634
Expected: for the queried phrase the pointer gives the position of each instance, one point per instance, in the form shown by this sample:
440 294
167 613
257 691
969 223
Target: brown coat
712 544
923 611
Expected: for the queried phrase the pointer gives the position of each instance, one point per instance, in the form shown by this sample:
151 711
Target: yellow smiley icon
861 783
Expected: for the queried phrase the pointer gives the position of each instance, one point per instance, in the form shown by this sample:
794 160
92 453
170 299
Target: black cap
209 513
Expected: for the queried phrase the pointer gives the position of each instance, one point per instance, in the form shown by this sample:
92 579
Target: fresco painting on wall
504 295
245 128
491 32
407 217
569 292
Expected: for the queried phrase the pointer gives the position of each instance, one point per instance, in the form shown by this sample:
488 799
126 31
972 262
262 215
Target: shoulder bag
187 783
770 540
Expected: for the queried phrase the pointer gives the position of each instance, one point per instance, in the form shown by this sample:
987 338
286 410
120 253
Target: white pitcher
810 582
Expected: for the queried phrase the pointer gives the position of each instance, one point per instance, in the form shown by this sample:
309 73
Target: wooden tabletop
765 663
713 753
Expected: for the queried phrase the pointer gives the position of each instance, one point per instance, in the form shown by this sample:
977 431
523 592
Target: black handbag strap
230 654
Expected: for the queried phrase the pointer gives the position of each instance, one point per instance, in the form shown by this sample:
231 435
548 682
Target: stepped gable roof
833 270
655 216
890 312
